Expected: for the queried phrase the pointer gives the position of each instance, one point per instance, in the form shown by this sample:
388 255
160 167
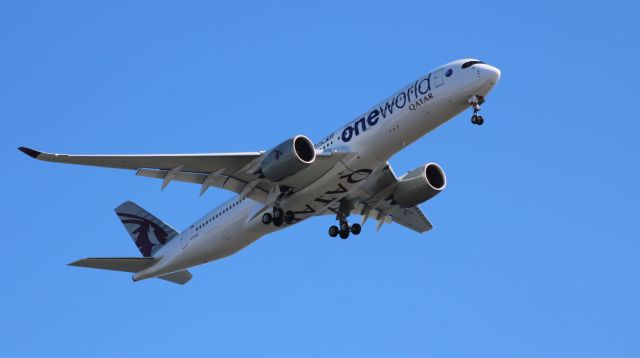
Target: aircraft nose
492 74
489 76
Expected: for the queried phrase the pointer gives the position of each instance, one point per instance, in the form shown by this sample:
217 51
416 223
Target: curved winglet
30 152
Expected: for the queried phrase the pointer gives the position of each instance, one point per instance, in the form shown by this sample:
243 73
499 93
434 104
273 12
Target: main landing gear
475 103
278 217
344 229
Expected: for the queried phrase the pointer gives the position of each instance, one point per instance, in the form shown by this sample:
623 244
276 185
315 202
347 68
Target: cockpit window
470 63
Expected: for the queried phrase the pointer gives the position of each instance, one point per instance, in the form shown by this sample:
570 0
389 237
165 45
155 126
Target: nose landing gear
475 102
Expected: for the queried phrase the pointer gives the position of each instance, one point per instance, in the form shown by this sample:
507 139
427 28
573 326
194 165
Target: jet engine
288 158
419 185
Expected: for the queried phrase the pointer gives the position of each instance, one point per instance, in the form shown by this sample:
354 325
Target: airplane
346 173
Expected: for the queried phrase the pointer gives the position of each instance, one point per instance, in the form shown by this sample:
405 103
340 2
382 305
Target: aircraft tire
333 231
267 218
278 222
356 229
289 216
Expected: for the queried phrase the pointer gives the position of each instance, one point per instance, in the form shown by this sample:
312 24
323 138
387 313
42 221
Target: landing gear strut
475 102
344 229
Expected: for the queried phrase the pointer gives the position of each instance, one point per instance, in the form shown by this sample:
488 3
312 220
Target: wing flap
226 182
412 218
196 178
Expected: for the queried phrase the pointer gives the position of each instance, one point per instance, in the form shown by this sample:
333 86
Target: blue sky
535 248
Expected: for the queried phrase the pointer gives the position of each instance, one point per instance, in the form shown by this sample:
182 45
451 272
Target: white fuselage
370 140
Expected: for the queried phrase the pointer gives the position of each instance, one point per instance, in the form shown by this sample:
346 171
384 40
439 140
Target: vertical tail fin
147 231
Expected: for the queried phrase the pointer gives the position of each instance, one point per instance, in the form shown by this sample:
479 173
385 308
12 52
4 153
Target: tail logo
142 238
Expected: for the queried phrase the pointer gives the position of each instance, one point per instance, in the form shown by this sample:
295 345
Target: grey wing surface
230 171
412 218
237 172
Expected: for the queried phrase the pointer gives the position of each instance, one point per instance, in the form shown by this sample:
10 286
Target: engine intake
419 185
288 158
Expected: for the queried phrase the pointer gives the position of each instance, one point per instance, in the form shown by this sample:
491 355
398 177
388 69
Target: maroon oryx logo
142 239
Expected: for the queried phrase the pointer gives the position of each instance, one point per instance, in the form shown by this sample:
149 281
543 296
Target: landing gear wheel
277 221
289 216
266 218
278 213
334 231
356 229
344 234
475 102
344 226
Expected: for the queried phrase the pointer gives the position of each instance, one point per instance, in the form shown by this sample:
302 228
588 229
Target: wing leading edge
198 163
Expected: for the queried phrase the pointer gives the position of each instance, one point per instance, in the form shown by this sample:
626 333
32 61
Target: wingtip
30 152
75 263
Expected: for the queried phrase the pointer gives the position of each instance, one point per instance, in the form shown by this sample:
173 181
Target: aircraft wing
231 171
373 200
412 218
237 172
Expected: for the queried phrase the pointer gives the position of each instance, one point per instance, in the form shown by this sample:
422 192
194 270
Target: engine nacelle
288 158
419 185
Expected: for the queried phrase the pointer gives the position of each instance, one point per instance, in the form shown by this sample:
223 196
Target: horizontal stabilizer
179 277
126 264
